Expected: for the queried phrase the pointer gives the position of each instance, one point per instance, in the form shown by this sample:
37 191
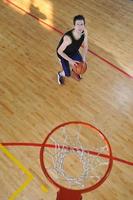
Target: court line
52 146
24 170
57 30
44 189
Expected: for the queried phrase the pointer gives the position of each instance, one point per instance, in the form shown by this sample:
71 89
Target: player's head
78 17
79 23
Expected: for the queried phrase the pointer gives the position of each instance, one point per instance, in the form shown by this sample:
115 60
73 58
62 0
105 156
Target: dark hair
78 17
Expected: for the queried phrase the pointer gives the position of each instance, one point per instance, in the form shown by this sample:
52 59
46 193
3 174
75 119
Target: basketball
80 68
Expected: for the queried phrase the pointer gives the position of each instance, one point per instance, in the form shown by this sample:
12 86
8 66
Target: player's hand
84 63
74 62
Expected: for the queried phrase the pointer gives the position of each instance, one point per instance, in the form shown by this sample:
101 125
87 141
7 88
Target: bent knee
68 74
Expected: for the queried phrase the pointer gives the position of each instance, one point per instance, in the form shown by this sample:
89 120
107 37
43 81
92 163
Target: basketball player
68 49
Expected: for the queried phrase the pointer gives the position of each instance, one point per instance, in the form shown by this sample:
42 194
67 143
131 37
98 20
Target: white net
76 160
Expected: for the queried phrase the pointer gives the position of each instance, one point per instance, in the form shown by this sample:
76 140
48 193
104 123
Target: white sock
62 73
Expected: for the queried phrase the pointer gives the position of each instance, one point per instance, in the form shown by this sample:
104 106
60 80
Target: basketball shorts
65 63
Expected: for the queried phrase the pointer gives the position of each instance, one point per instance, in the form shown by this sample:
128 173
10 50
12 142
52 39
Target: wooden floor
32 103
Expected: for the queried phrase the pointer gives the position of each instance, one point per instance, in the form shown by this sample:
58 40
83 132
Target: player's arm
85 46
66 42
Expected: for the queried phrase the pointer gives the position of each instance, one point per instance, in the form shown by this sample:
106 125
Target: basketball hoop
77 158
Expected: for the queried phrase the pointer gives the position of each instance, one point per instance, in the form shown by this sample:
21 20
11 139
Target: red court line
53 146
57 30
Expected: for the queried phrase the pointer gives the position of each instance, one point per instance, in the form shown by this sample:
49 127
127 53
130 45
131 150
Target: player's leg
65 72
79 58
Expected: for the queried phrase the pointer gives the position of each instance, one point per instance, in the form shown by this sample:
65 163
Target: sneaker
60 79
76 76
